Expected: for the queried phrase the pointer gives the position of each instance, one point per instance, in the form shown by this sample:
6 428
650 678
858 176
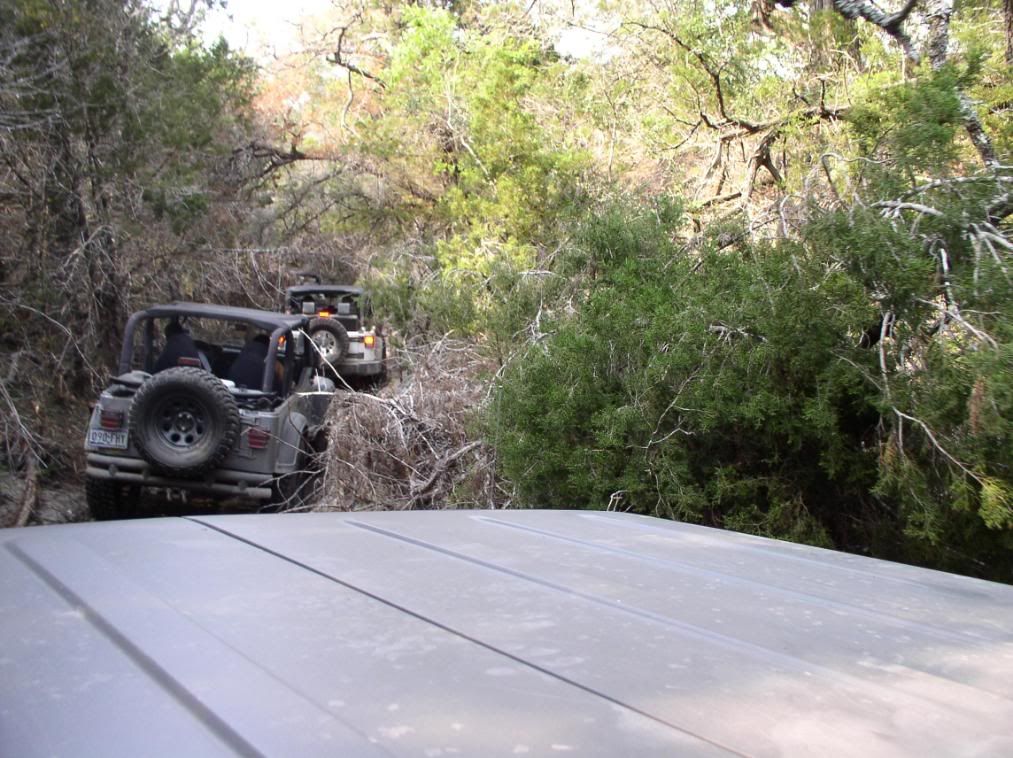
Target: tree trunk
937 50
938 44
1007 8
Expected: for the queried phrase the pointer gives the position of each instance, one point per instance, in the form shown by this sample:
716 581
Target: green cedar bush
754 387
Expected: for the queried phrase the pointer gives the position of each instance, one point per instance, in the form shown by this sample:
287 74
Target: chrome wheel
327 343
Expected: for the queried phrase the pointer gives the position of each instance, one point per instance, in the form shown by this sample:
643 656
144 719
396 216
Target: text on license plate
102 438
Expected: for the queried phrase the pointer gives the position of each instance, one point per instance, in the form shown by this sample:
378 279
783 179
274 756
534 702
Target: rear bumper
218 482
360 368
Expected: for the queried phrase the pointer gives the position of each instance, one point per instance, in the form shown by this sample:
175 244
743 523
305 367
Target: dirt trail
55 504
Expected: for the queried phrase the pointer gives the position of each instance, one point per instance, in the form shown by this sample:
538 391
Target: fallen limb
419 491
29 494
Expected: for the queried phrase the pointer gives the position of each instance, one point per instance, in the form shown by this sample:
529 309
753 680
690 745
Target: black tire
330 337
184 421
108 499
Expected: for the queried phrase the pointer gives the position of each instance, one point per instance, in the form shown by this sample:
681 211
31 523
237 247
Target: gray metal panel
488 633
97 661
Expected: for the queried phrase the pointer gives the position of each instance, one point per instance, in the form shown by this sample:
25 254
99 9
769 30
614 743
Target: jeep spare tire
330 337
184 421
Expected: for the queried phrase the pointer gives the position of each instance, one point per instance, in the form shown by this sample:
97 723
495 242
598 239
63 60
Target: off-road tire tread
221 396
105 498
336 328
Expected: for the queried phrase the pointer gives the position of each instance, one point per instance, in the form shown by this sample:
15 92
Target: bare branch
338 58
935 443
898 205
29 494
892 24
420 490
720 199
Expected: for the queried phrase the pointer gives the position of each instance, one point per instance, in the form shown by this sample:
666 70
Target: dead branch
29 494
714 74
717 200
272 156
17 434
420 490
935 443
338 59
404 447
897 206
891 23
761 159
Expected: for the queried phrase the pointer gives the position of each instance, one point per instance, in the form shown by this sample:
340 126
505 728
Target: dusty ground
56 504
65 503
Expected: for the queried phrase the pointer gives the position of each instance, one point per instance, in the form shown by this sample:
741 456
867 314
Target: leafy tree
802 348
459 114
819 391
117 138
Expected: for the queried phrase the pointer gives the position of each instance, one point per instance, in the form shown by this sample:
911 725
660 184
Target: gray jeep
211 402
341 327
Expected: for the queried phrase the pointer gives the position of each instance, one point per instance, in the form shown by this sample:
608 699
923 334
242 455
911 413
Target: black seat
247 369
178 346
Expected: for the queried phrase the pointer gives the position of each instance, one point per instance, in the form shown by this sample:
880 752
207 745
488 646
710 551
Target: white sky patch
578 42
264 29
259 28
581 28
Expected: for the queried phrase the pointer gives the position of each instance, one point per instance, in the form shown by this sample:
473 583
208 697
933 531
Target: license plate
102 438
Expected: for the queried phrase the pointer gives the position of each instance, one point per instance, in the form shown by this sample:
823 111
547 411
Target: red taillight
369 340
258 437
110 419
191 362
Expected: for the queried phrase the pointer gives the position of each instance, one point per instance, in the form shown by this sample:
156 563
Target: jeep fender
292 442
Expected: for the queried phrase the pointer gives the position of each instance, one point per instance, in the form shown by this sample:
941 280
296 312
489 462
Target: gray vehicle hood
491 633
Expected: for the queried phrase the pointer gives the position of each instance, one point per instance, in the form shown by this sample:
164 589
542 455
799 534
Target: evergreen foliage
458 114
811 341
740 387
115 137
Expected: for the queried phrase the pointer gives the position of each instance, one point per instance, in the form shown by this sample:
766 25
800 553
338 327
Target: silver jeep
352 347
210 401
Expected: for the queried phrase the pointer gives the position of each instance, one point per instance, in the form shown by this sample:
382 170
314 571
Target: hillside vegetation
735 262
